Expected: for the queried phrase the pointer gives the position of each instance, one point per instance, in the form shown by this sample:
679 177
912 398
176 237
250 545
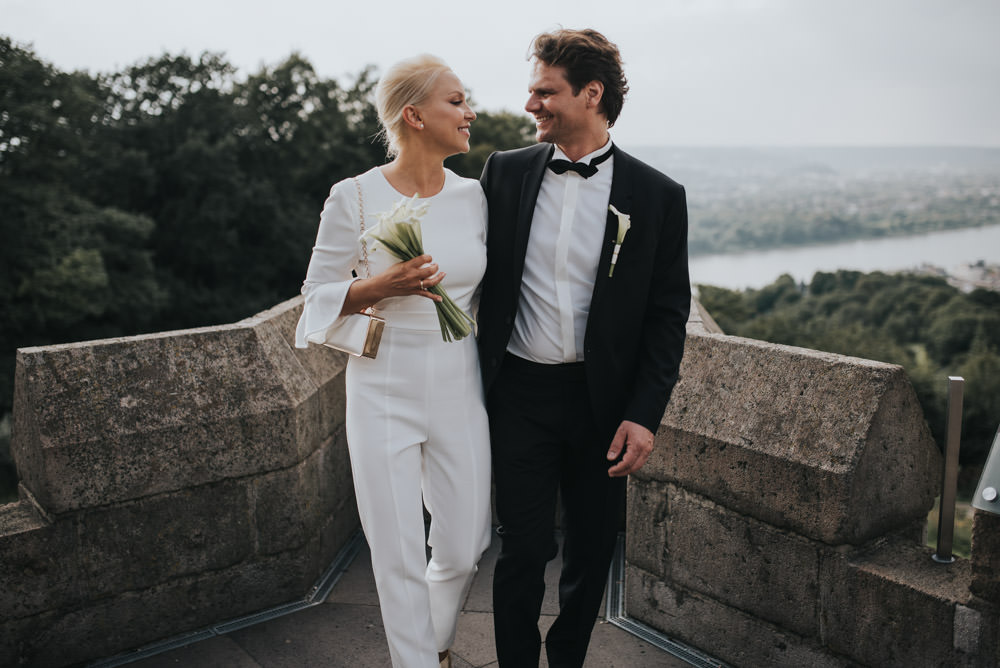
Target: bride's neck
414 172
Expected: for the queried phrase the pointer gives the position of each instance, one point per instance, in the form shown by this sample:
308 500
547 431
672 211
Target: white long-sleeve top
454 235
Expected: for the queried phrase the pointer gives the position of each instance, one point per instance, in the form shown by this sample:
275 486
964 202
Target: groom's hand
637 442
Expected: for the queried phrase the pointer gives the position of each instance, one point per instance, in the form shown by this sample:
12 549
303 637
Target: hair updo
408 82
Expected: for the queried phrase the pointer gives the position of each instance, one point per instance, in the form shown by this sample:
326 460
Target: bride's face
446 116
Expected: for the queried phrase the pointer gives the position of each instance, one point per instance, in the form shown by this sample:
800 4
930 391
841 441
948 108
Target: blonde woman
416 424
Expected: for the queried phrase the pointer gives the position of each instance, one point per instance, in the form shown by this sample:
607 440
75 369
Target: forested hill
930 328
176 193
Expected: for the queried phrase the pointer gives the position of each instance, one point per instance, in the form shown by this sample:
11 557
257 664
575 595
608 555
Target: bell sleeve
334 258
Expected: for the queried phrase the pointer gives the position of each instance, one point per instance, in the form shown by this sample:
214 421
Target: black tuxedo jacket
636 325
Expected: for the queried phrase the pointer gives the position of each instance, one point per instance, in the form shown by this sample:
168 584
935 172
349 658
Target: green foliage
491 132
925 325
174 193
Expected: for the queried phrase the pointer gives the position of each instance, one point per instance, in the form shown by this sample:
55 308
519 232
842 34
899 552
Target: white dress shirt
564 248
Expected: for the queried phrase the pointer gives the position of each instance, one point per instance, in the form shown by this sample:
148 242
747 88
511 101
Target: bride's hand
413 277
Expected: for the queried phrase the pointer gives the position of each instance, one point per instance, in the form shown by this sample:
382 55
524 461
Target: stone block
986 556
834 448
325 366
718 630
743 563
894 606
336 479
140 544
112 625
646 537
287 507
107 421
19 639
38 563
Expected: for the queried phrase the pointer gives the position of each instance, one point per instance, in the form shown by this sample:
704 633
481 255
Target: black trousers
545 441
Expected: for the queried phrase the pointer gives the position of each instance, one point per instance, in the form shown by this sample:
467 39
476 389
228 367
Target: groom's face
559 114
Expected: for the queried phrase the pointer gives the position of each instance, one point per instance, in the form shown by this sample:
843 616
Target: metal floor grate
615 614
316 596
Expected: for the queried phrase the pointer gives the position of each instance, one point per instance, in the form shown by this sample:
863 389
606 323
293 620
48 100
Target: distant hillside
756 198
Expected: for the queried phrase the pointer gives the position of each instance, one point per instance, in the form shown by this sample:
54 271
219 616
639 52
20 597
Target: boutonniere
623 224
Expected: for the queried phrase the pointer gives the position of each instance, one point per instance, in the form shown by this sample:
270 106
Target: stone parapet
834 448
169 481
780 519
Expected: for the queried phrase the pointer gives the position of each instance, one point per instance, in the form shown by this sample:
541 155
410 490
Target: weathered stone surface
726 633
125 418
182 479
870 602
107 626
646 537
743 563
986 556
38 565
339 505
287 506
834 448
324 365
135 545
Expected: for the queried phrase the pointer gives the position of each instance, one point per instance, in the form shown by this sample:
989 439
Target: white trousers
417 431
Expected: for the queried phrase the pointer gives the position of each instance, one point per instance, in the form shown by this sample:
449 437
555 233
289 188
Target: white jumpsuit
416 423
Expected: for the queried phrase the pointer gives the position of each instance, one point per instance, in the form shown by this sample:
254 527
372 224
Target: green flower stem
403 241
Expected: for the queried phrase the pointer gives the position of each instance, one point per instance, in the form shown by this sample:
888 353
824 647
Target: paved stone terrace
346 630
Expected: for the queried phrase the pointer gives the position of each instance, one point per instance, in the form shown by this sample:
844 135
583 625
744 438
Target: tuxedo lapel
531 184
621 199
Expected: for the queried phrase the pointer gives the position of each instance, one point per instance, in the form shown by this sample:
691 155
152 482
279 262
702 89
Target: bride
417 429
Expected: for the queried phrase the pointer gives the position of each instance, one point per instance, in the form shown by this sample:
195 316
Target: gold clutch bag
357 334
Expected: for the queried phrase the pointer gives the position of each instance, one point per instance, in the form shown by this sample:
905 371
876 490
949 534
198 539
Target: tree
71 269
491 132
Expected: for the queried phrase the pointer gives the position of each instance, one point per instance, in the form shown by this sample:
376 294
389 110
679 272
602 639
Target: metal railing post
949 482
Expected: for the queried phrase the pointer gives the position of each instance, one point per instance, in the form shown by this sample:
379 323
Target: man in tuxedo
580 338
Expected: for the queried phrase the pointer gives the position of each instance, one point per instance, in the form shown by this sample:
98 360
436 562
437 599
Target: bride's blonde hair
407 82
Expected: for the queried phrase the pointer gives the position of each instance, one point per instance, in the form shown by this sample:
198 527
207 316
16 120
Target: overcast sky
702 72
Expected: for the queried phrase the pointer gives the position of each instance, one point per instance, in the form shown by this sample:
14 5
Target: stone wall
177 480
169 482
780 520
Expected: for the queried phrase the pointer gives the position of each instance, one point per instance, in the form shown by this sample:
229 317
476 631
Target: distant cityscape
967 277
757 200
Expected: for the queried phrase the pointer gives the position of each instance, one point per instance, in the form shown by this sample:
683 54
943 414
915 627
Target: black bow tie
585 170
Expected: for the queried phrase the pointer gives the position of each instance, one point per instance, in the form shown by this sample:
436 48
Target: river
948 250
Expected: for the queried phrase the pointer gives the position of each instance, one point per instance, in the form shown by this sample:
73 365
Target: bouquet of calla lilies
398 231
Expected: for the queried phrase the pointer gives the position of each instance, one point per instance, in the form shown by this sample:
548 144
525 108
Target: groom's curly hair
587 56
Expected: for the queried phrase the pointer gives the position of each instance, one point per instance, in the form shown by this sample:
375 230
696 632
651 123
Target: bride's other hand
413 277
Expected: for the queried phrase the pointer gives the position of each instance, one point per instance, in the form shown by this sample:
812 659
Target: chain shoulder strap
364 244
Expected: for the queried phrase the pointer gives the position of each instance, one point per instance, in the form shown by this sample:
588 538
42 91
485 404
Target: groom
580 338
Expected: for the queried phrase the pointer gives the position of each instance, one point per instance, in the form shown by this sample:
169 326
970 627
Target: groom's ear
593 94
